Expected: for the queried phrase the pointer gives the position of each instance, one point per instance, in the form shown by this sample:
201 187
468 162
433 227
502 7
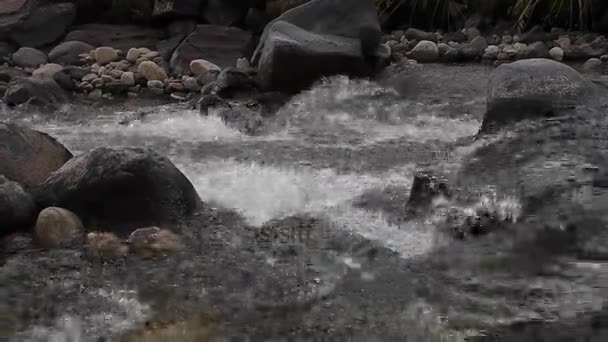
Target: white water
263 192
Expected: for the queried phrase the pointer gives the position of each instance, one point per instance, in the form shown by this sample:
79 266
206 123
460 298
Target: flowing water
346 156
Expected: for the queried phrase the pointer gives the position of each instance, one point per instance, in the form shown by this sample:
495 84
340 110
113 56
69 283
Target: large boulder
217 44
13 12
122 37
533 88
44 25
321 37
120 190
17 208
38 90
69 52
29 156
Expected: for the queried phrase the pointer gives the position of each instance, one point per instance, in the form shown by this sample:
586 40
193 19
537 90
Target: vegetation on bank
522 14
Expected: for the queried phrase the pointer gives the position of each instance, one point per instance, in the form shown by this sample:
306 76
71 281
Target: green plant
577 11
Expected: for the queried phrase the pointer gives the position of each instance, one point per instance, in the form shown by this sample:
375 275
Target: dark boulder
13 12
17 208
226 12
120 190
533 88
232 79
37 90
68 52
178 31
538 50
44 25
122 37
425 188
27 57
29 156
64 80
217 44
315 39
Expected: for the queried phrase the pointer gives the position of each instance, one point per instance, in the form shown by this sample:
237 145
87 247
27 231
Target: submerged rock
57 227
315 39
29 156
17 208
533 88
105 246
153 241
121 189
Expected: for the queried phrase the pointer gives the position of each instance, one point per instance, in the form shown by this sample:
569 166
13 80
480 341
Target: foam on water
262 193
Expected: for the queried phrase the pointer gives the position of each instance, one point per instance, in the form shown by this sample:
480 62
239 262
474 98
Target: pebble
156 84
105 54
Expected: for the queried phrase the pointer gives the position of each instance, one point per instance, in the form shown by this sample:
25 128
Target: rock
425 52
243 63
557 54
151 71
17 208
507 39
564 42
128 78
153 241
36 90
29 57
533 88
69 52
592 64
442 48
315 39
208 77
521 50
458 37
191 84
232 79
105 246
581 52
174 87
57 228
216 44
472 33
604 58
45 25
89 78
64 80
132 188
116 87
538 50
121 37
150 55
96 94
48 70
117 74
419 35
536 34
105 55
473 50
451 55
491 52
226 12
207 89
425 189
200 67
155 84
28 156
106 79
210 101
133 55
